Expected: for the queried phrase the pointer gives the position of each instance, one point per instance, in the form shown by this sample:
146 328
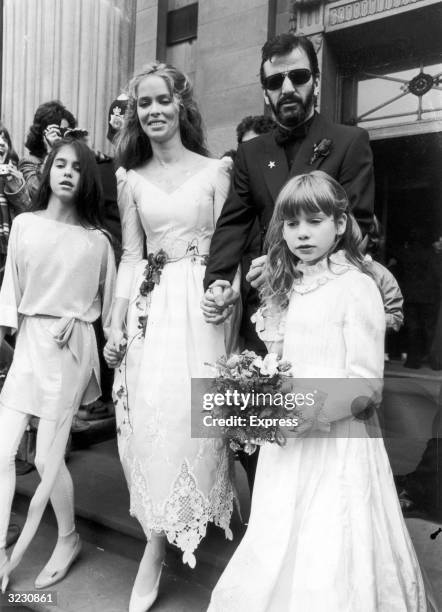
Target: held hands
255 275
218 301
115 348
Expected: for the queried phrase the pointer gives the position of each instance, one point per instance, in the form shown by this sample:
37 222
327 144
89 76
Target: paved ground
101 580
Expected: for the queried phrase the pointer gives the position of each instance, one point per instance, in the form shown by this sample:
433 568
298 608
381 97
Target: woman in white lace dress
170 195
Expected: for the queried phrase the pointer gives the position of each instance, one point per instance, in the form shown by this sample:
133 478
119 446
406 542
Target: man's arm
357 178
233 226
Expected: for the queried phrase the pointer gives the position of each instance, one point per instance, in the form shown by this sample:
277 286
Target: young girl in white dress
59 278
326 532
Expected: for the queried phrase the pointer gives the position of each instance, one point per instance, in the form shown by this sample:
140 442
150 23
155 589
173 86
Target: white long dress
177 483
326 532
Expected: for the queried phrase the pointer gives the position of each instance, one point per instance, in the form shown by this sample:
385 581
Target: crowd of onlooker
415 265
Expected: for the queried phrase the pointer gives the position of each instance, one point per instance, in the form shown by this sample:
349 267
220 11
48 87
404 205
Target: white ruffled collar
327 269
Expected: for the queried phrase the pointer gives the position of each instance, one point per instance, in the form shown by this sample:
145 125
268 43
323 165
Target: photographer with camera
51 122
14 197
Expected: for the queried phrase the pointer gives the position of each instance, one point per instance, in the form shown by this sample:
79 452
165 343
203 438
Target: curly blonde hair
133 146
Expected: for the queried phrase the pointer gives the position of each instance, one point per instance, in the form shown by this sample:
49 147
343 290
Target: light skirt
177 483
326 533
55 367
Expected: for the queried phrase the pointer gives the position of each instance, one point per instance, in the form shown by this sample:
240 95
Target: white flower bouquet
253 409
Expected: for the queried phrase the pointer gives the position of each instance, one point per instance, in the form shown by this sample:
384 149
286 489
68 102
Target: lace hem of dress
184 515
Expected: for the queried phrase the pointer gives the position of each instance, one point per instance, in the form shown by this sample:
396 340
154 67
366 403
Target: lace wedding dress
177 483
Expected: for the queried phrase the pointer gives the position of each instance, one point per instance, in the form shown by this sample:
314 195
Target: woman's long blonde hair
307 193
132 145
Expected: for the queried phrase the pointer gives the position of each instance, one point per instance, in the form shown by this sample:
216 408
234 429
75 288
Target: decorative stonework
355 11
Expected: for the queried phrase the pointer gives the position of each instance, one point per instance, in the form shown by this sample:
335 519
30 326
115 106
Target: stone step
99 581
102 511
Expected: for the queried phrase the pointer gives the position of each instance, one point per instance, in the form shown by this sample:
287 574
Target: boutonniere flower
321 149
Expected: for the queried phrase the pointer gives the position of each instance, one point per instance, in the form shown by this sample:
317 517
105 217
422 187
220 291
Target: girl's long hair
309 194
88 200
11 155
132 145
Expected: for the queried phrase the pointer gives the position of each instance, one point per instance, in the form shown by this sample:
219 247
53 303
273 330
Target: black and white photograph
221 306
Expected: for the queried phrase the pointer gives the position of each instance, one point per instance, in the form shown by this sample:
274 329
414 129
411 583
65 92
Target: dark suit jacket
261 170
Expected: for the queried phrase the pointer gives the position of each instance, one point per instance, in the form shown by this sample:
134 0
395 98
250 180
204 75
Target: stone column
150 38
230 37
77 51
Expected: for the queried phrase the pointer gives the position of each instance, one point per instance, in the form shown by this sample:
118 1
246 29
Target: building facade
381 65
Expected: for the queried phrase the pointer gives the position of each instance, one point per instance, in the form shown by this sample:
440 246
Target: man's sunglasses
298 76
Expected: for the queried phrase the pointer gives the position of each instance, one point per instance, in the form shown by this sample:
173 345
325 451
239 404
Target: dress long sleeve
108 276
222 186
132 236
364 331
11 291
270 326
233 227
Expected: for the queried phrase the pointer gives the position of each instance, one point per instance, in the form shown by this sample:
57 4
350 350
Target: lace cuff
270 326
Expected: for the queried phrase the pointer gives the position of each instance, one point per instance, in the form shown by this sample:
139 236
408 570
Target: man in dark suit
303 141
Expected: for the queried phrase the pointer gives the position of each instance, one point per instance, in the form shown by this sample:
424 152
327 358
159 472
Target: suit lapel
274 166
317 131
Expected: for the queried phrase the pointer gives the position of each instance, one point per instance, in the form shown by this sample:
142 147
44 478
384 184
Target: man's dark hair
258 123
46 114
284 44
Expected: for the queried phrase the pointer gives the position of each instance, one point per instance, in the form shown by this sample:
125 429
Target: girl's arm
11 289
108 275
364 332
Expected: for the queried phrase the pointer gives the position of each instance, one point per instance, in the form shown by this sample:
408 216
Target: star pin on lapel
271 164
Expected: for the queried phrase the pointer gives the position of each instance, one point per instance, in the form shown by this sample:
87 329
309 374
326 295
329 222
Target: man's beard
296 114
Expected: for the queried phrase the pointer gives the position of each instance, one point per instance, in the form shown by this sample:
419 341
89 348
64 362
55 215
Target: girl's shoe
47 578
143 603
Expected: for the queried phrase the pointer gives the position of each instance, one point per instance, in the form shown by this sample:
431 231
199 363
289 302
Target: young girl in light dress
59 278
326 531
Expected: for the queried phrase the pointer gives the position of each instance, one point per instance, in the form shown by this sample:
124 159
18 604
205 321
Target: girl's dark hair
307 193
132 145
46 114
88 201
11 155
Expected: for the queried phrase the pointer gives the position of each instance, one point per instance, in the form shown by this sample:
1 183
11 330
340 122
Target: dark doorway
408 188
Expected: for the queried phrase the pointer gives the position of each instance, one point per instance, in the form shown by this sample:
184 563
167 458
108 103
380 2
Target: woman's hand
218 301
14 179
51 135
115 348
